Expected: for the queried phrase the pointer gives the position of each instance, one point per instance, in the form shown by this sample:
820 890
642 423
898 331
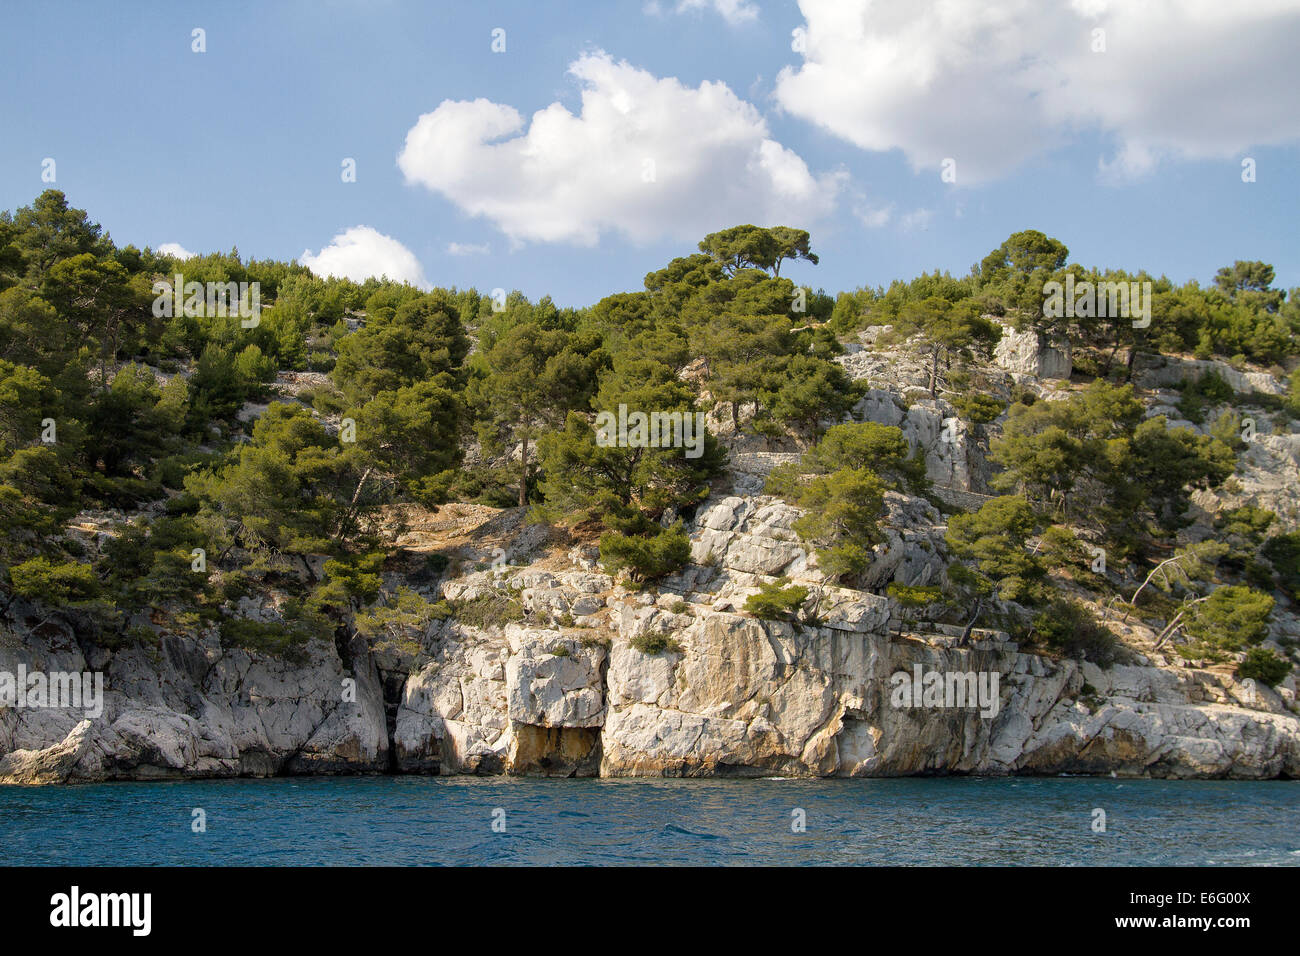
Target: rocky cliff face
566 691
188 707
586 677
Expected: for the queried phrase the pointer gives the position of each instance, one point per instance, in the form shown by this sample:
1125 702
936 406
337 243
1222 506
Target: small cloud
917 219
361 253
1133 161
174 249
733 11
874 218
467 248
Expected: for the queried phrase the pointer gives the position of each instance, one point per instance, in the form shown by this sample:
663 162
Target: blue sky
1131 155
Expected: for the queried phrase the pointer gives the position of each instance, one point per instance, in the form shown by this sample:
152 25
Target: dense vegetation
429 397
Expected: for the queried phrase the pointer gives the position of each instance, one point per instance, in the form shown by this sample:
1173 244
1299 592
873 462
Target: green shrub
978 408
994 539
170 472
1283 552
58 585
235 585
774 601
393 624
1264 666
842 519
480 484
276 638
1085 365
492 609
655 644
1067 627
1210 389
1233 617
354 580
149 563
646 558
912 598
123 493
327 401
1061 548
862 446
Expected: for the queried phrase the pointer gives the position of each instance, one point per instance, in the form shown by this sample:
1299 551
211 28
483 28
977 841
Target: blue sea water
449 820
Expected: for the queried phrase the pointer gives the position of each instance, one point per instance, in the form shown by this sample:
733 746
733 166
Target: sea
463 820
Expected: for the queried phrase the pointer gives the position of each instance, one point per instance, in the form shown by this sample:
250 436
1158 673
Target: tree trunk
350 516
1173 626
1158 569
970 625
523 475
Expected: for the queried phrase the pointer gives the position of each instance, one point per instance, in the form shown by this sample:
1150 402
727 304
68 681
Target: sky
567 149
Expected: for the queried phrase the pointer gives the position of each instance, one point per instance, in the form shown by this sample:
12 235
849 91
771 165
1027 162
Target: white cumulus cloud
174 249
360 253
993 83
646 156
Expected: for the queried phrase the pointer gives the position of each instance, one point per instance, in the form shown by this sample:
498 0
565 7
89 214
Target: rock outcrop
1032 353
188 708
1163 371
595 679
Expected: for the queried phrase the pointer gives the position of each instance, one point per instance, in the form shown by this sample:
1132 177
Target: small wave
674 828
